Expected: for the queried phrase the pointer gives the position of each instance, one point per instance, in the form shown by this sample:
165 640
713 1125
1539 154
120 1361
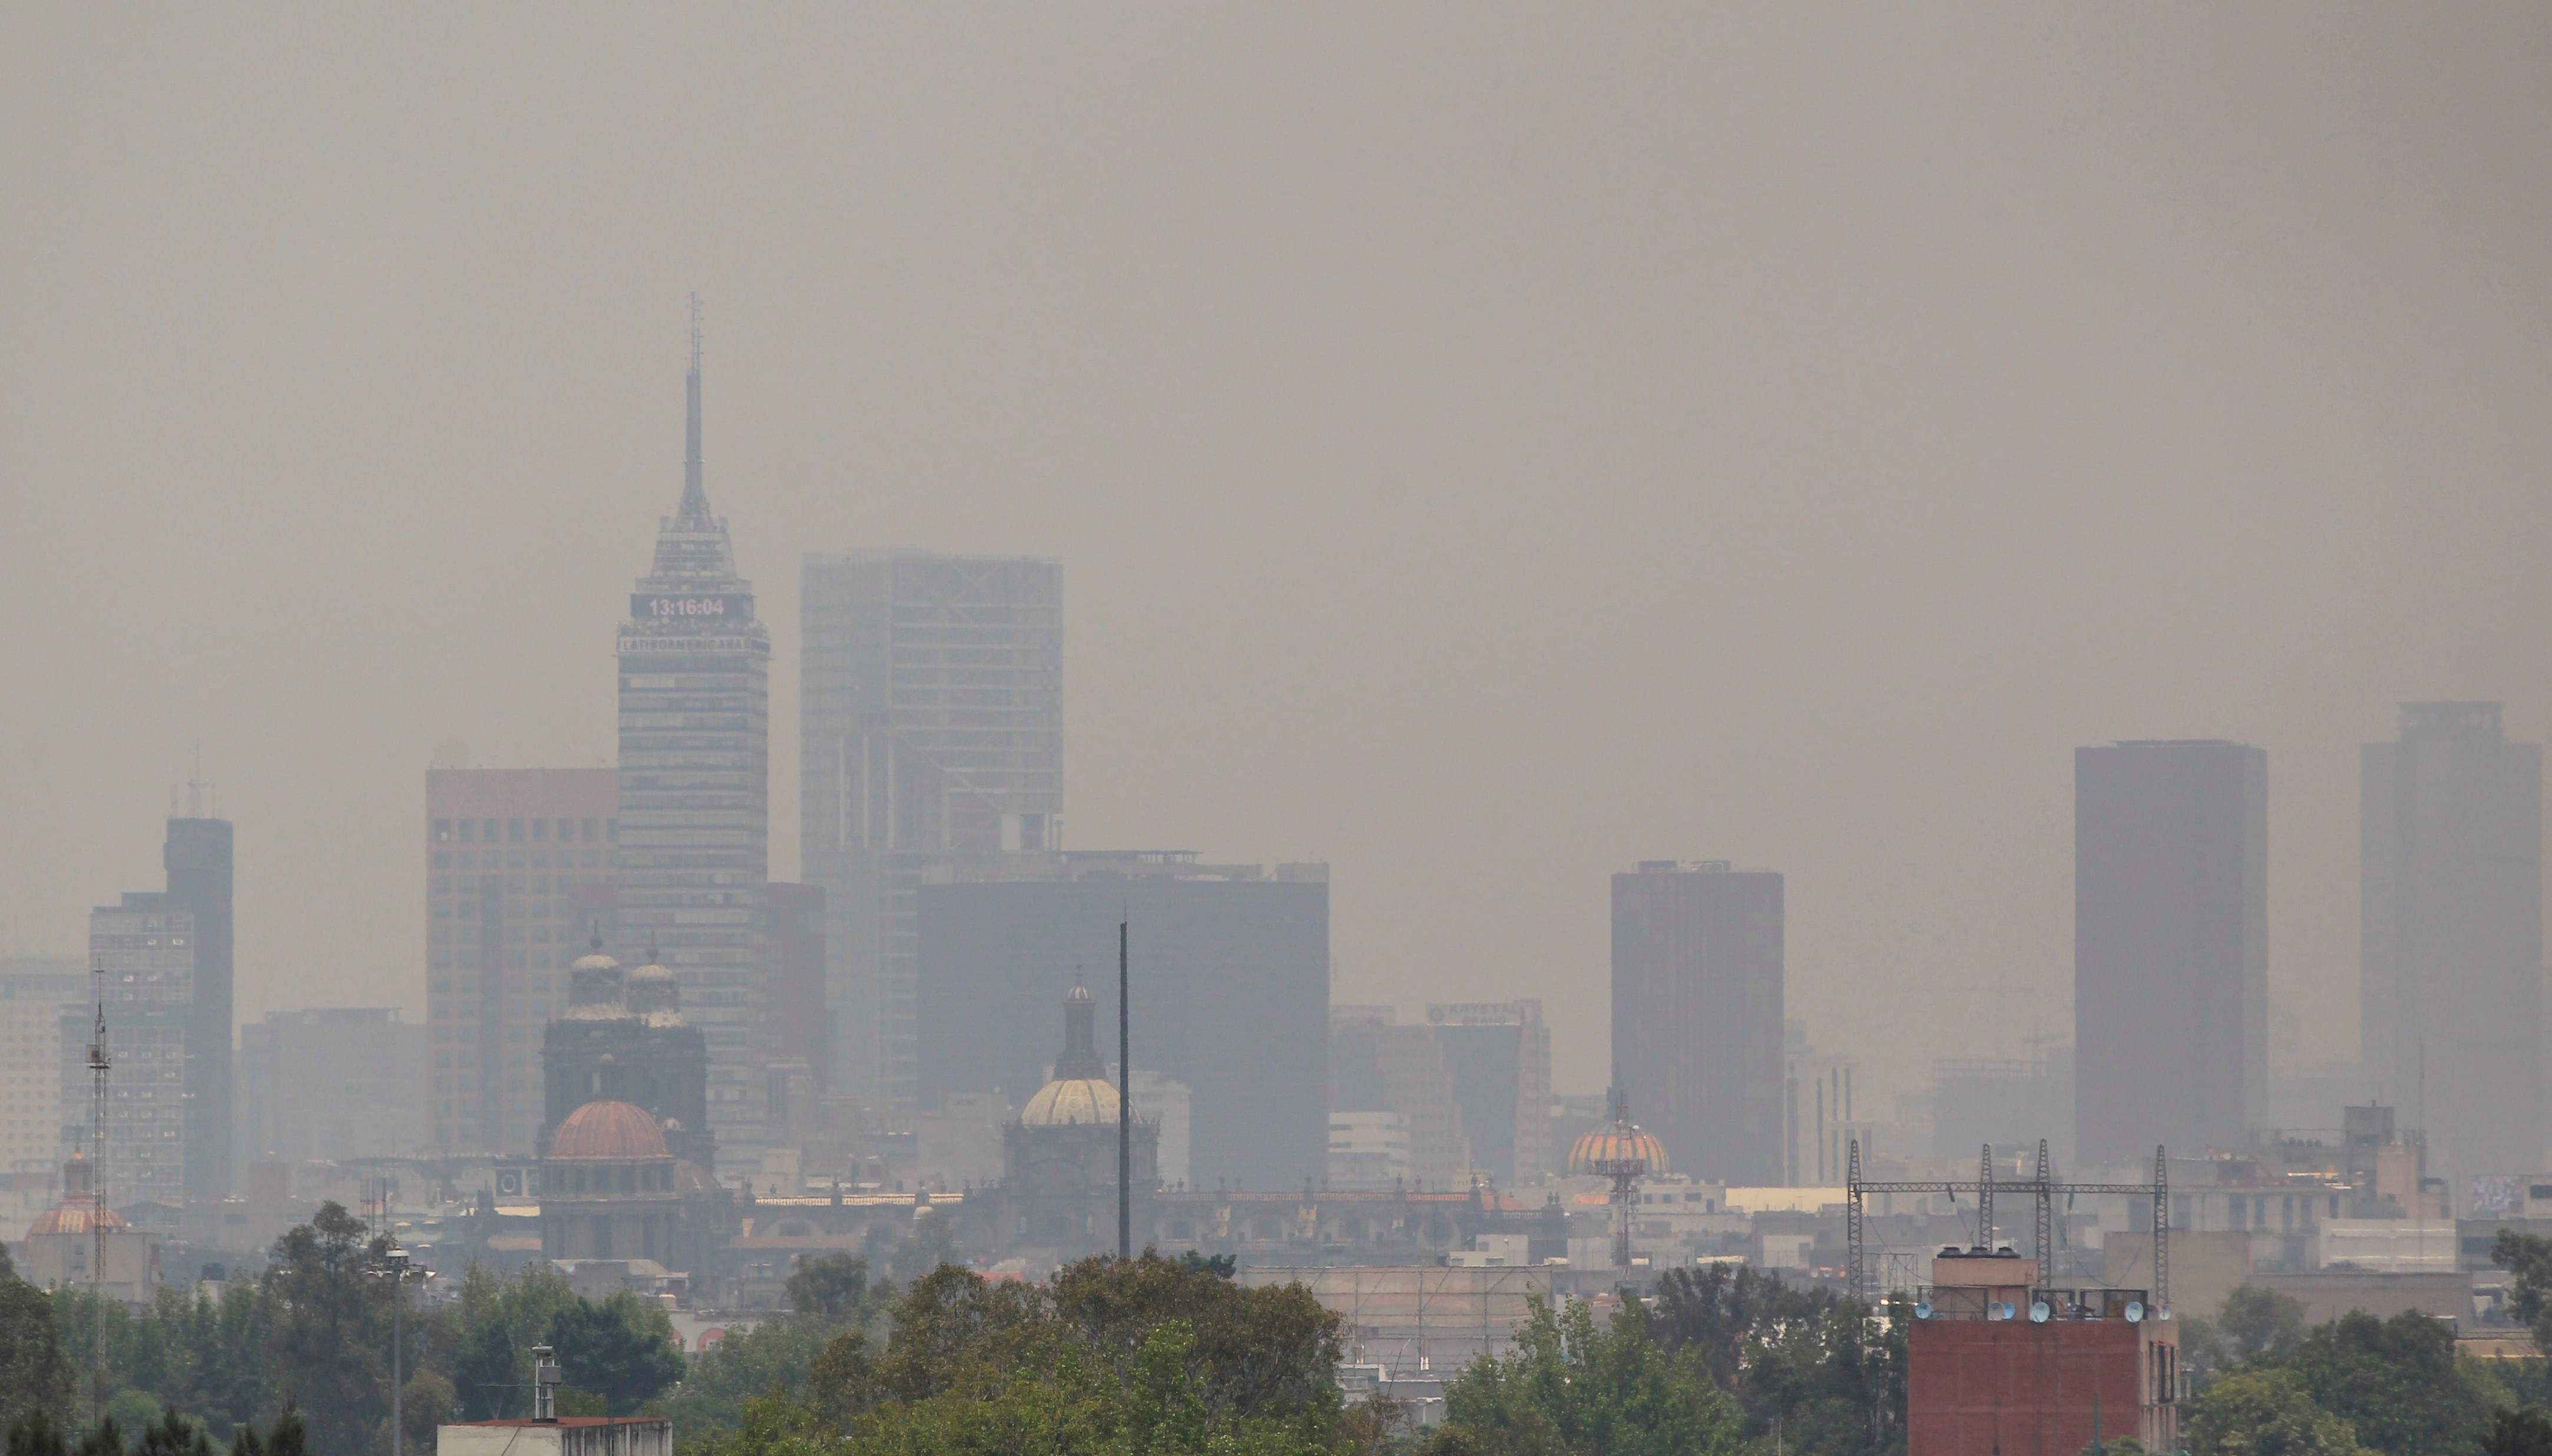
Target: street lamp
397 1268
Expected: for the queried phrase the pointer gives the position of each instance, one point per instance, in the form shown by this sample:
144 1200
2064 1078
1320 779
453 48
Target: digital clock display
647 607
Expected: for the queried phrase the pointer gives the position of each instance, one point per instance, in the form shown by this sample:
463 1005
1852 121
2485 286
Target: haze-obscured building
144 949
1498 1055
2170 946
197 856
36 991
1232 991
2009 1103
799 1025
695 795
931 724
519 864
329 1083
2452 941
1697 1024
1378 1066
1819 1111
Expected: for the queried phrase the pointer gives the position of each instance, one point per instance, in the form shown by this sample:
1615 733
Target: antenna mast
1125 1105
98 1063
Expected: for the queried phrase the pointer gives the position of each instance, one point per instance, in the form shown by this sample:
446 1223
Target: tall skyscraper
2452 936
695 794
35 994
1230 968
2170 947
145 954
932 715
516 862
1697 1014
197 859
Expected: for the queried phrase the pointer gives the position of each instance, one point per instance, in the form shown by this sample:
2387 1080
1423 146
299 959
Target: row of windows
520 859
522 831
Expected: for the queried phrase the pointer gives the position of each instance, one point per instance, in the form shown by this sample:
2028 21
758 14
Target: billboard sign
2496 1194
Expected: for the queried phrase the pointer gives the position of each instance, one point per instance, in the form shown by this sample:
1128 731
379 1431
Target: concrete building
197 859
1819 1113
35 994
2452 938
799 1026
518 860
1697 1024
2170 948
1368 1149
694 794
931 719
329 1083
1377 1065
1232 993
1498 1055
145 952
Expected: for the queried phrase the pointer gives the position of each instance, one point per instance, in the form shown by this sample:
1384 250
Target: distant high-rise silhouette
2451 1015
695 790
931 719
1697 991
197 856
2171 949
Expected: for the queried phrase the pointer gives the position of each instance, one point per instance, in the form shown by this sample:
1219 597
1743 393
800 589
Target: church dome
81 1210
1619 1143
609 1129
1069 1100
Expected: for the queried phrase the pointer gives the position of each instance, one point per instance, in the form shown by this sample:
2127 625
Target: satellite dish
2037 1311
2163 1312
2135 1311
1923 1311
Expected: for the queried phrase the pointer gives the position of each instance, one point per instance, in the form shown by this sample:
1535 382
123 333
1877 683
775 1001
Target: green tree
1805 1360
174 1435
331 1334
1257 1352
2257 1322
2396 1382
834 1287
34 1374
1569 1387
2519 1432
2265 1412
35 1434
2529 1258
623 1350
934 1242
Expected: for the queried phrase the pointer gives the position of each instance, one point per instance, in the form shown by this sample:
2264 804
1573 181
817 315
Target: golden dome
1067 1100
1617 1144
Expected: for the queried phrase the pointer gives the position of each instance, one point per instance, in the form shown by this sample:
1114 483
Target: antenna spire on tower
695 500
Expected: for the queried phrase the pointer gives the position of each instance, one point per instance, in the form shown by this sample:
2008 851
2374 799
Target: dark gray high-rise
1230 993
2452 936
694 801
197 856
1697 994
931 723
2170 946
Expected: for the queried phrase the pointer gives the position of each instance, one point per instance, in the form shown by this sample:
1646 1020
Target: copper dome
610 1130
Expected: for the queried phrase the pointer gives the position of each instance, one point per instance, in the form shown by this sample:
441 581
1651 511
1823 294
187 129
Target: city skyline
1704 548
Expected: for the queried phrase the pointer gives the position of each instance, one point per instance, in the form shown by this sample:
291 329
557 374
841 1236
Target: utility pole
1124 1101
98 1064
395 1267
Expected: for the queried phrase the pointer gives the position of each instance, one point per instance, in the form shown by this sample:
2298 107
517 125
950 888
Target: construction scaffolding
2043 1188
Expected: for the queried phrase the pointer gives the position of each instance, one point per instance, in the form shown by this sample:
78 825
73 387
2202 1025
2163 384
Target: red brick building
1998 1368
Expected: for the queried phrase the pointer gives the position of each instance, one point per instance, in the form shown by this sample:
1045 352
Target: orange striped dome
1616 1144
76 1215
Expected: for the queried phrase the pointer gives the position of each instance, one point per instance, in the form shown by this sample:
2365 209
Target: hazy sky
1487 446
